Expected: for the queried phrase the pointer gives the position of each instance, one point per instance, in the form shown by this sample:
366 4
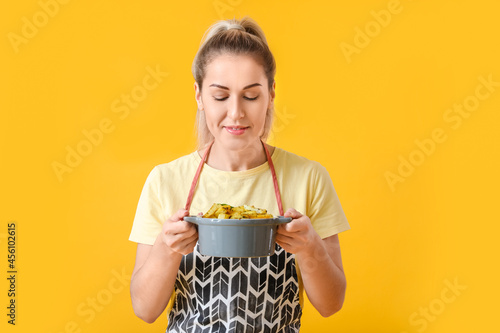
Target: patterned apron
237 295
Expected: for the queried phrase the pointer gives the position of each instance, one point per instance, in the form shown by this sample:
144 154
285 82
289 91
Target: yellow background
357 115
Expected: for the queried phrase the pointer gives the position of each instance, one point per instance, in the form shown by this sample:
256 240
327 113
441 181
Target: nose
235 109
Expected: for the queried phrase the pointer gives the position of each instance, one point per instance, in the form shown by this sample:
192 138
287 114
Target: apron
237 295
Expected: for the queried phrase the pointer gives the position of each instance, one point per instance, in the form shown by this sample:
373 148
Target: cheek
261 119
212 118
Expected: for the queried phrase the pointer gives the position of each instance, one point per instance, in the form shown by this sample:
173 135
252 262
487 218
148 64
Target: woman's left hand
298 235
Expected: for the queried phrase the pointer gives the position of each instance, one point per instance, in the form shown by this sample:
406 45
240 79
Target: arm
319 261
156 267
323 276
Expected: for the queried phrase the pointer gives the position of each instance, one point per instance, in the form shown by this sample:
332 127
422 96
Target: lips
236 127
236 130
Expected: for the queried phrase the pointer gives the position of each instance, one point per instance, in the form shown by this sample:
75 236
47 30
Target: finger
179 228
182 227
192 230
192 240
284 239
291 227
284 245
188 240
180 241
291 212
295 226
178 215
188 245
185 234
282 229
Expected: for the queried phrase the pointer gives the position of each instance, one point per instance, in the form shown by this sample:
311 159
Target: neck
247 158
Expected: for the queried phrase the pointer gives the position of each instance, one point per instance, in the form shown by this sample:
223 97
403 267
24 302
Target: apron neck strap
203 160
275 180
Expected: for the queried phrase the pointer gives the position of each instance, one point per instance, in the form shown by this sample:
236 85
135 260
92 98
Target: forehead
234 71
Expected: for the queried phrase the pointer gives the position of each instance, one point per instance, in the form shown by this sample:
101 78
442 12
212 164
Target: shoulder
292 161
304 171
173 169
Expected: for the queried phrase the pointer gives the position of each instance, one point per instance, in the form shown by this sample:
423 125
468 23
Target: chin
238 142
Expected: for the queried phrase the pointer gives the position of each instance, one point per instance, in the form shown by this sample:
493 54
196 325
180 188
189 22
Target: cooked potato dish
224 211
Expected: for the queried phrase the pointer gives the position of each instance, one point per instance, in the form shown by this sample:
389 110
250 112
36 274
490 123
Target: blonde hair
234 37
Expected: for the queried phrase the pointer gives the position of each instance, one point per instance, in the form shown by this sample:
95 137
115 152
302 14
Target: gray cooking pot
237 238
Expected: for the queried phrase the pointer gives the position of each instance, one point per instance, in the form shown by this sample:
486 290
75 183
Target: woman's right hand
178 235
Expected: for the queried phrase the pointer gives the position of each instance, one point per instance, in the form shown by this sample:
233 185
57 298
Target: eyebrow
226 88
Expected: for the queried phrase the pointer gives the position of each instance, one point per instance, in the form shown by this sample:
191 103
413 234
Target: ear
272 94
198 96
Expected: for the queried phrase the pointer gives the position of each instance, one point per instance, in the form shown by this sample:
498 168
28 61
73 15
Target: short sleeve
326 213
149 215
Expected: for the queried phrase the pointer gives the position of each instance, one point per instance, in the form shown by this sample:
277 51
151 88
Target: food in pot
225 211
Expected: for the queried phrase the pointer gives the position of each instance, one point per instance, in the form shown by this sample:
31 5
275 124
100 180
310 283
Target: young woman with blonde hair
234 72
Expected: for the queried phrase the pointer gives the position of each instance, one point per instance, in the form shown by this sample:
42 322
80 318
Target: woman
235 90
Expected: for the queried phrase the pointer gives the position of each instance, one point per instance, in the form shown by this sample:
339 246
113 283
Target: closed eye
247 98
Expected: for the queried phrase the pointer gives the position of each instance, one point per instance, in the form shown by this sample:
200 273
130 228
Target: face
235 99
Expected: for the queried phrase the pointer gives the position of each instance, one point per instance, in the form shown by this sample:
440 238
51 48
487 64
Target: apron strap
275 180
196 176
203 160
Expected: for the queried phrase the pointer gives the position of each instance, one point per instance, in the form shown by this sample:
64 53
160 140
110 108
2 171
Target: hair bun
235 26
